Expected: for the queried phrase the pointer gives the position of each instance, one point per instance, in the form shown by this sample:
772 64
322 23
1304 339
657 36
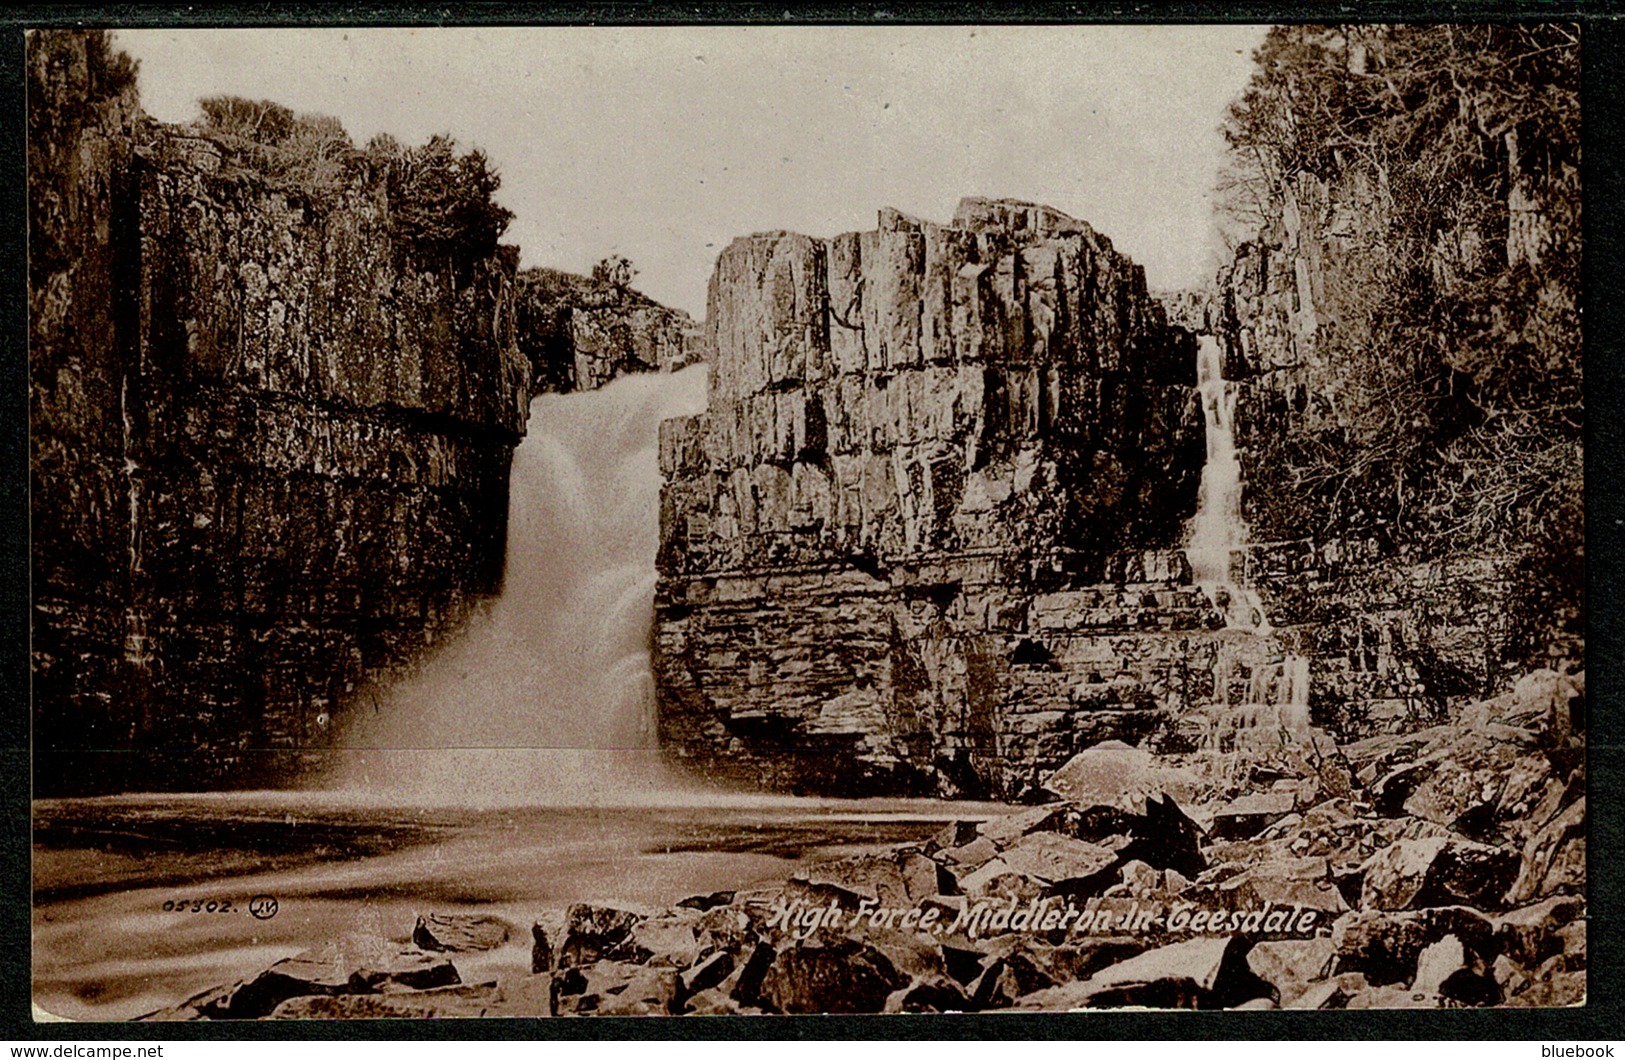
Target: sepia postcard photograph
765 520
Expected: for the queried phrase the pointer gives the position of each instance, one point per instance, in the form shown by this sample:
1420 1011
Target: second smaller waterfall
1278 691
1218 531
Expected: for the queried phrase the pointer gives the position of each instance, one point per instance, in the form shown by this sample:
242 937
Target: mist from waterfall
549 694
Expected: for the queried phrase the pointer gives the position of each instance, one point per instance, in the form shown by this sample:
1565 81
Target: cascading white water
1217 532
550 693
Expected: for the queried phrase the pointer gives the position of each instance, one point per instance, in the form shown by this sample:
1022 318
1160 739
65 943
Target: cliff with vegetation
1403 320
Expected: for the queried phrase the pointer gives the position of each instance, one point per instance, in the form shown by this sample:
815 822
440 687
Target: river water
513 774
107 948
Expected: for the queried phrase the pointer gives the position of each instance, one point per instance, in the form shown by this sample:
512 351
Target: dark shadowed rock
459 932
709 972
703 902
1384 946
541 949
1415 873
1530 935
935 993
1198 973
595 933
841 975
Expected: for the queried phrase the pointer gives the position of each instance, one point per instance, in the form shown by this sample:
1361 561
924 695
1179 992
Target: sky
663 144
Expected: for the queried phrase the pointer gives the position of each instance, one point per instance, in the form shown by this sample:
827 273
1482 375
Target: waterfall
1217 533
549 694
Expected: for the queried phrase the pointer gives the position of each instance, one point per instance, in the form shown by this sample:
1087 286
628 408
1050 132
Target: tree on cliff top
443 202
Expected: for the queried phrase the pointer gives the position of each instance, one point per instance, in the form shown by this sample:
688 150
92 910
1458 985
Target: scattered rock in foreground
1402 878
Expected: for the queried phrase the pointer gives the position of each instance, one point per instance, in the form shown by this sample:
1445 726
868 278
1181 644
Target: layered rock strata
270 447
904 547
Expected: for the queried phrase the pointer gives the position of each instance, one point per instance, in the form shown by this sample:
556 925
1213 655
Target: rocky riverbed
1438 868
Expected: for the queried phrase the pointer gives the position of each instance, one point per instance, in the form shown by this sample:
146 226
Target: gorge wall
271 427
920 541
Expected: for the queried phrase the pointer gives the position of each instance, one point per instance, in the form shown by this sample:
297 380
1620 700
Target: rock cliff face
904 547
270 446
578 333
1394 637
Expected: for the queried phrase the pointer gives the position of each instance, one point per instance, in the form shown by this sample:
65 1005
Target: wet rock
597 933
1415 873
459 932
1384 946
838 976
1291 965
1554 858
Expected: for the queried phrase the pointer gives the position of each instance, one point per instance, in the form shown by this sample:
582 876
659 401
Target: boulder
597 933
896 881
707 973
1072 865
616 988
840 975
935 993
465 1001
1384 946
1529 935
1005 829
1554 858
1278 881
352 964
1556 983
1416 873
1198 973
669 939
459 932
1291 965
1248 815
